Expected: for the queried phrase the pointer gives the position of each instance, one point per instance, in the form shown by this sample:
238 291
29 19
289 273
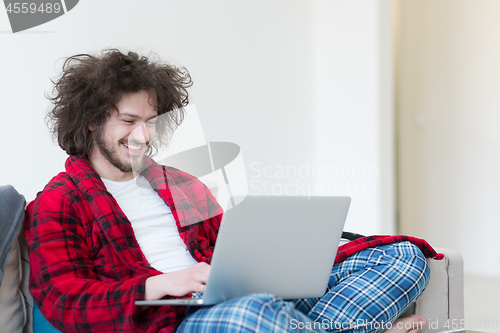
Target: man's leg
251 313
374 287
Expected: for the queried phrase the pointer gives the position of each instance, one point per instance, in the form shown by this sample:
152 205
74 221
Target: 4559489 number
26 7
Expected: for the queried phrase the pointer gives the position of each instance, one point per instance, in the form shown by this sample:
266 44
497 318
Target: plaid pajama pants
366 293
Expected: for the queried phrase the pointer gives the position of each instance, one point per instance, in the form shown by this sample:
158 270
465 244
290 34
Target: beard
113 156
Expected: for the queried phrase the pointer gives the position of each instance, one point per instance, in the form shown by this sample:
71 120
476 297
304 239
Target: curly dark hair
89 87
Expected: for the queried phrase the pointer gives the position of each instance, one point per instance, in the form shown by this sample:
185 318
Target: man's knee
413 264
425 271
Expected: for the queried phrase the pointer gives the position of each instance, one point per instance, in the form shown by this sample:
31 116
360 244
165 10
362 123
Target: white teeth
128 145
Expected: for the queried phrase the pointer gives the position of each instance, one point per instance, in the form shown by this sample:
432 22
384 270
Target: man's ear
91 128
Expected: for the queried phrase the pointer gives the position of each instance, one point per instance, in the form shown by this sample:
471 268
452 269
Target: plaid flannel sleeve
63 281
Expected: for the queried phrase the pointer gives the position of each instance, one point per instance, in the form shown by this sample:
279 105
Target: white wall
449 104
294 83
353 120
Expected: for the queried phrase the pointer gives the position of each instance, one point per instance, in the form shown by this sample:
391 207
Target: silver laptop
284 246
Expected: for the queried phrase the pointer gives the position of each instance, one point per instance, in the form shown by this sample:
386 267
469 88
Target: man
98 241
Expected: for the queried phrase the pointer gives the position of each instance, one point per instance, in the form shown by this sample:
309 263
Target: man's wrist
155 287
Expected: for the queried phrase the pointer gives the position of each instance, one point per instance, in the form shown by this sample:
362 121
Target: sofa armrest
25 266
442 302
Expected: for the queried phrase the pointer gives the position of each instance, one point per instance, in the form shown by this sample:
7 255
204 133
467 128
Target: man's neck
108 171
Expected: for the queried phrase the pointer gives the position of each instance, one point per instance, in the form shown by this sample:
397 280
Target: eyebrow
131 115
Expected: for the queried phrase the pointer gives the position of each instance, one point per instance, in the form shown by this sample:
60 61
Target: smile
132 147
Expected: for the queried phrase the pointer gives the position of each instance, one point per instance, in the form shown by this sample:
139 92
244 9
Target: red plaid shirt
86 266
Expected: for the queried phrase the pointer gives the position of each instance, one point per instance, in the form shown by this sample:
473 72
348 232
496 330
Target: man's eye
151 123
128 121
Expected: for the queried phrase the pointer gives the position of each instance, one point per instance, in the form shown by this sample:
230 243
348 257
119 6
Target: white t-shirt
153 223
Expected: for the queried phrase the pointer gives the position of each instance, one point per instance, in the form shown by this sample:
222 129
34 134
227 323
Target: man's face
123 139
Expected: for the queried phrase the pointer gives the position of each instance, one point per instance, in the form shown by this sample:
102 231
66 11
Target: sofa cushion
12 307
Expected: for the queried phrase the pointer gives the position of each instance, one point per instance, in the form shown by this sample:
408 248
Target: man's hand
180 283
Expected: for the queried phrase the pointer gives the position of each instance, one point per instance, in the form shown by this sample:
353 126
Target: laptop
284 246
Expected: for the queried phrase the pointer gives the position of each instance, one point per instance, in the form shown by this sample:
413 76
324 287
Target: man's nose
140 134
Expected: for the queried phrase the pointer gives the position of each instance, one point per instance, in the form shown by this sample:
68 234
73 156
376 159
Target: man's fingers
203 267
201 272
200 278
197 287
